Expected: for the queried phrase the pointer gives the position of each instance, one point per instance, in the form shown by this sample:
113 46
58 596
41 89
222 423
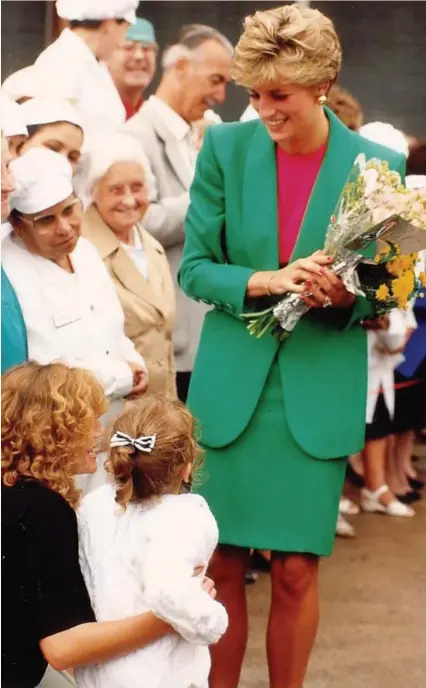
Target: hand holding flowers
373 207
326 289
292 278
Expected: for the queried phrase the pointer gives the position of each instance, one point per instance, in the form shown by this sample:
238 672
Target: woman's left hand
328 290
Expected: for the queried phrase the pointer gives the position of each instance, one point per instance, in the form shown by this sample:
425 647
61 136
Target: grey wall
384 47
22 33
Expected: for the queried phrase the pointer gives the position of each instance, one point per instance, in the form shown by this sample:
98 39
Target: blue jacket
415 352
13 334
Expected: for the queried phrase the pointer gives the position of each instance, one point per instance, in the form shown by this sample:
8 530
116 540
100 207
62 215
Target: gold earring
322 100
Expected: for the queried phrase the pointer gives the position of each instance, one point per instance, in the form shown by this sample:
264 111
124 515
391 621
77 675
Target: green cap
142 32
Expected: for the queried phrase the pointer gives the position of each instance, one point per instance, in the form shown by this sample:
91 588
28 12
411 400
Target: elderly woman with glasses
117 181
69 304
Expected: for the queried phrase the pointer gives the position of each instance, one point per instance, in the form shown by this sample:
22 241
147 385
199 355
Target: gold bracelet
268 286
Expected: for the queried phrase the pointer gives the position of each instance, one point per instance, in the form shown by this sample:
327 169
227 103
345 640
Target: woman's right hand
288 279
293 276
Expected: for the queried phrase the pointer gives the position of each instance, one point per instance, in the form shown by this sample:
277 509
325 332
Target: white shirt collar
77 46
171 120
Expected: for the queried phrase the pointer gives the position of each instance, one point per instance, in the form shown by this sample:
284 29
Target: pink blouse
296 175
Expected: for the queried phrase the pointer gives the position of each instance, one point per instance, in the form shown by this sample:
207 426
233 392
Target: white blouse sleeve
187 532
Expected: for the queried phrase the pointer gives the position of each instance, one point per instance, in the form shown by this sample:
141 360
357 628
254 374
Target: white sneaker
370 502
344 529
347 507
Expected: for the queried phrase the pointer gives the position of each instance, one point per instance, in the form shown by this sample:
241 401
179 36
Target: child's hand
209 588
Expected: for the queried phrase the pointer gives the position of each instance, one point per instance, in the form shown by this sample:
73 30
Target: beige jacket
148 305
165 220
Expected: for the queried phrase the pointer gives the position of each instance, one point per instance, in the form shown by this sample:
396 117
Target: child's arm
171 590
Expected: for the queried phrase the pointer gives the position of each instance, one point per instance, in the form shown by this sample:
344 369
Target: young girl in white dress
140 542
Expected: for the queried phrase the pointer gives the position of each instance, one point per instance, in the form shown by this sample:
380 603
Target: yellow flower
401 264
382 292
403 287
422 278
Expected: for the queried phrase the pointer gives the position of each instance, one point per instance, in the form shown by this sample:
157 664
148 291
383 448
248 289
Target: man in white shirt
70 67
196 70
132 65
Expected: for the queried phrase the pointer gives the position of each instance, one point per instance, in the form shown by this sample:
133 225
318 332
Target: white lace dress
143 559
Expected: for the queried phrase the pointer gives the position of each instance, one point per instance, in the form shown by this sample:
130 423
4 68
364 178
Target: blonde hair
290 44
48 413
141 475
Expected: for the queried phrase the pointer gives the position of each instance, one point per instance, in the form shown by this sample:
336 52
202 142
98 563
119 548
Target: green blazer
323 364
13 333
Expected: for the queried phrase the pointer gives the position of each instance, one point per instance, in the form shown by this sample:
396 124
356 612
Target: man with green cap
132 65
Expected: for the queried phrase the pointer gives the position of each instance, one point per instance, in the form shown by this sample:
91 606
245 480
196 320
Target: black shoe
408 497
251 577
416 484
259 563
354 477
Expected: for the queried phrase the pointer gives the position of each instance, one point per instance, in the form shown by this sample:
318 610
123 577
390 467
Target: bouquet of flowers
374 235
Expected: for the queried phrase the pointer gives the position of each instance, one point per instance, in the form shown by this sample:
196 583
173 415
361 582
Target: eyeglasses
132 47
46 224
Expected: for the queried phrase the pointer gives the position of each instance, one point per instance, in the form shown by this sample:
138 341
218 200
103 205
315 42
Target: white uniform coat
381 365
143 558
71 71
75 318
170 160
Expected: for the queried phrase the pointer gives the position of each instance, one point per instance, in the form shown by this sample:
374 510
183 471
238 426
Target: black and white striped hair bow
143 444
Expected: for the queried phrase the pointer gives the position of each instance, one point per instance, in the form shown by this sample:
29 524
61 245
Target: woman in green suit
277 420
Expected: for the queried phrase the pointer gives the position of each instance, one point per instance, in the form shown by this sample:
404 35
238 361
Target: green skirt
265 491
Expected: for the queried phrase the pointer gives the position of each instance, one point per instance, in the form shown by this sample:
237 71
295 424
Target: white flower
370 177
361 160
380 214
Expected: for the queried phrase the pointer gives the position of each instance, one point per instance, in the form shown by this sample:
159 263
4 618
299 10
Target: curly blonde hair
289 44
48 413
141 475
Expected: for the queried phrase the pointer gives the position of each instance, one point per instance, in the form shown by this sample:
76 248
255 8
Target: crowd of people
141 423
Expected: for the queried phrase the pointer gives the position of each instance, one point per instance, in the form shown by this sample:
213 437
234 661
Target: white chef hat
25 83
86 10
12 121
48 110
387 135
43 178
103 153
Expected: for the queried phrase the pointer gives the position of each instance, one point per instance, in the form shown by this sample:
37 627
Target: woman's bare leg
293 618
375 468
395 477
403 448
227 569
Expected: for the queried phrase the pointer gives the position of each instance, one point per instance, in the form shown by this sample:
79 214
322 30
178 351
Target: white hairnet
42 178
387 135
48 110
12 120
84 10
105 153
25 83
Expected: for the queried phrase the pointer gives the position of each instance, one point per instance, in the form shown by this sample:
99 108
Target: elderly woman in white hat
68 301
72 64
52 123
117 181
